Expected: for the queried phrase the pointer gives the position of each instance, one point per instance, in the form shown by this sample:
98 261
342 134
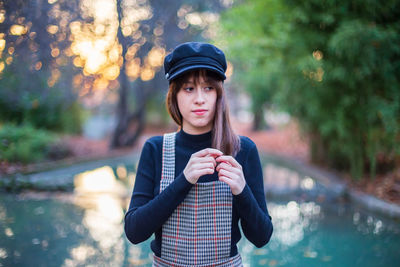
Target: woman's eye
188 89
209 88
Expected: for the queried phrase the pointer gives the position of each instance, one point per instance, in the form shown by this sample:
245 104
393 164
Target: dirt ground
287 142
283 141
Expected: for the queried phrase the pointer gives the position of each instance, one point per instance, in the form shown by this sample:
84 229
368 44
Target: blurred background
313 83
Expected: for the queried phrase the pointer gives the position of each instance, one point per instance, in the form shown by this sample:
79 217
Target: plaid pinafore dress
198 233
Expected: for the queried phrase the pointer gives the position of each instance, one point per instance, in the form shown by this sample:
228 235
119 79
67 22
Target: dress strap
168 160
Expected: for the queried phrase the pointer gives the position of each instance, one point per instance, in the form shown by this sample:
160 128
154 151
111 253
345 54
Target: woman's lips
200 111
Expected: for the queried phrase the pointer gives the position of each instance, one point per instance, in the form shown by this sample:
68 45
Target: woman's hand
201 163
231 172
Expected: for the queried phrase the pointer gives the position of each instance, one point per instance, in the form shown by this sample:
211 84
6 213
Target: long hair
223 136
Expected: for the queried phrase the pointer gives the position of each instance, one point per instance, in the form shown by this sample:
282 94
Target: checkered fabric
235 261
198 233
168 160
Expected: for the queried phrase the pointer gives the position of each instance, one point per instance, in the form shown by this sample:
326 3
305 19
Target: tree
337 63
33 89
254 34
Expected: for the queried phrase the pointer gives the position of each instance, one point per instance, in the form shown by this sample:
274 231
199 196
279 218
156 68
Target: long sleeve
250 204
148 210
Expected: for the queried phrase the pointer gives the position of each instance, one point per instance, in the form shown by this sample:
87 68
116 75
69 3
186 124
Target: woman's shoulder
246 143
152 146
157 140
154 141
247 149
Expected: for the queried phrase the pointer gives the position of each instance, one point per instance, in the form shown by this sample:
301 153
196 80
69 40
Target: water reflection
307 183
291 220
101 180
280 179
285 182
3 253
86 228
9 232
122 172
368 224
140 255
80 255
99 193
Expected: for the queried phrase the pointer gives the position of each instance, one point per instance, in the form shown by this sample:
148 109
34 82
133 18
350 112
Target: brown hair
223 136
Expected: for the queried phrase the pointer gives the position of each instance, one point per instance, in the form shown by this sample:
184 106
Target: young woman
194 186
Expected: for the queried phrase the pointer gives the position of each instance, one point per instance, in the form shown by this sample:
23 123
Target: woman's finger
228 167
228 174
205 159
224 166
234 186
204 171
208 151
228 159
203 165
226 180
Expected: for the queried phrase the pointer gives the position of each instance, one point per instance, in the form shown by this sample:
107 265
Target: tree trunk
122 134
258 122
318 149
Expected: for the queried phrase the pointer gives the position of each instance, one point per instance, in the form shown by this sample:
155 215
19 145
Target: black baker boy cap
194 55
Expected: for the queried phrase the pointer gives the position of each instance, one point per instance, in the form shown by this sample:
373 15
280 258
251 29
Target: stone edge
335 183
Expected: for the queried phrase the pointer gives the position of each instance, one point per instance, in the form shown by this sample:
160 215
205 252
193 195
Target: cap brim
193 67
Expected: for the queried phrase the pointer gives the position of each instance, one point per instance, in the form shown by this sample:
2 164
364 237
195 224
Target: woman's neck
194 138
196 130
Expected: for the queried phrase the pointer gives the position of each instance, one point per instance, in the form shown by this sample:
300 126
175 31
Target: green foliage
24 143
335 66
30 100
155 113
255 48
72 118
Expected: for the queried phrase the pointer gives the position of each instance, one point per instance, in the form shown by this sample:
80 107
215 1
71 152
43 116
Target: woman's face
197 103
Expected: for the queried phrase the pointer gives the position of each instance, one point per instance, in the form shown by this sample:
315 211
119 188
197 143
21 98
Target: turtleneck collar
194 138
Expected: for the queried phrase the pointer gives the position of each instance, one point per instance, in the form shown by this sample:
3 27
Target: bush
24 143
25 97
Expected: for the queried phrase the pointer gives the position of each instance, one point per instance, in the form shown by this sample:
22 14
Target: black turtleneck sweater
149 208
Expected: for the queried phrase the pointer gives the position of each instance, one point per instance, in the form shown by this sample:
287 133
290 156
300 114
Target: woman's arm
246 183
147 213
250 203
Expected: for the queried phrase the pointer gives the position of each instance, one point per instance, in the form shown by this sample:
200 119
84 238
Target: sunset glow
2 44
18 29
94 46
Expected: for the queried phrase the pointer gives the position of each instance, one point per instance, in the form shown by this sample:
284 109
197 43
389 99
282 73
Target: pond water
85 227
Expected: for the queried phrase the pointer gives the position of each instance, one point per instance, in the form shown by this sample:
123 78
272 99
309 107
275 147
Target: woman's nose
199 96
